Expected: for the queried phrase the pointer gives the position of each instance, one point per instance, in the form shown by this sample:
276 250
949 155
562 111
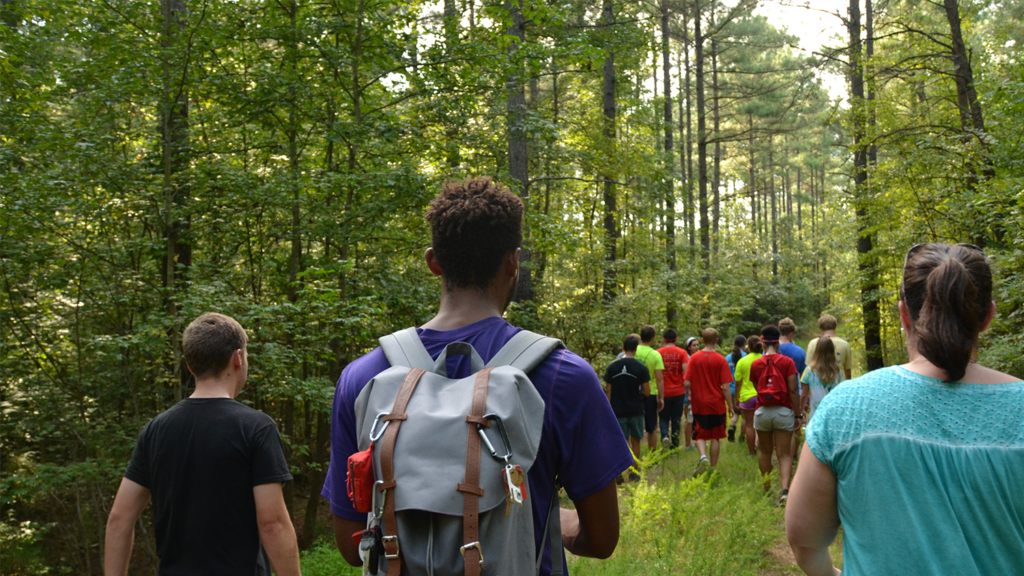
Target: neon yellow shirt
746 386
650 357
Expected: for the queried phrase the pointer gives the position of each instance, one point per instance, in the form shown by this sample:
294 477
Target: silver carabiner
504 438
374 433
378 512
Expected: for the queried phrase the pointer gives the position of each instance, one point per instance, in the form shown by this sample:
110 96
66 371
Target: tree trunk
175 144
799 205
608 100
451 40
972 122
686 176
869 281
670 197
775 214
717 178
295 265
689 134
702 138
752 181
518 159
541 256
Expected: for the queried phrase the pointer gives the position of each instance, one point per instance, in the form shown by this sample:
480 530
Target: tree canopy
681 161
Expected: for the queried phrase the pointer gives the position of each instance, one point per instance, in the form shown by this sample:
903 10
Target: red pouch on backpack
360 479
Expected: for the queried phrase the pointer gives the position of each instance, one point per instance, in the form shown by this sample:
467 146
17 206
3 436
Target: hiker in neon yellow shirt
746 392
654 403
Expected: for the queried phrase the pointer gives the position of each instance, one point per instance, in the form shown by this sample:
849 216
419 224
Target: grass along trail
719 523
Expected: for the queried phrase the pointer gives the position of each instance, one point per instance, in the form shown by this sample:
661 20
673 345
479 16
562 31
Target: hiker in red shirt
675 359
707 381
775 418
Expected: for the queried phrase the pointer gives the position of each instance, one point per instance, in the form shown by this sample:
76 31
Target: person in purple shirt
476 230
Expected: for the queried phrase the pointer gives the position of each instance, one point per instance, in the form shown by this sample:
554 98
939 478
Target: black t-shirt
201 460
626 376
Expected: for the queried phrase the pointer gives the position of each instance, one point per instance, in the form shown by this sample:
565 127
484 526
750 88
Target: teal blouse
930 475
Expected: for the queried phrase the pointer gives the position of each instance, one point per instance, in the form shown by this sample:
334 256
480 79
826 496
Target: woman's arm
812 515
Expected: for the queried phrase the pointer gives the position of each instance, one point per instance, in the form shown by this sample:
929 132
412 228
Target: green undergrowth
719 523
323 559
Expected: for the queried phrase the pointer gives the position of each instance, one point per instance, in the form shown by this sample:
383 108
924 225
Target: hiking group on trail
767 394
451 442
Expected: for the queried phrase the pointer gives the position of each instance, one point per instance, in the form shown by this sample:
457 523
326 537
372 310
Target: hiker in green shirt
654 403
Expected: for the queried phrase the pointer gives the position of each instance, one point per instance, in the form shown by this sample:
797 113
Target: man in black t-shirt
213 468
627 383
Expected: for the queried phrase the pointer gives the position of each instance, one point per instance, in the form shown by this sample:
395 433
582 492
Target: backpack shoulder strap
525 351
553 536
404 348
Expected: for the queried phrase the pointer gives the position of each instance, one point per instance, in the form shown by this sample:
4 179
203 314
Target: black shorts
651 413
709 426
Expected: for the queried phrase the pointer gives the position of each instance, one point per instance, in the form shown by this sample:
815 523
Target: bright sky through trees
816 24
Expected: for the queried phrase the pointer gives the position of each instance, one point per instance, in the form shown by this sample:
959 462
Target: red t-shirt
785 365
707 371
674 358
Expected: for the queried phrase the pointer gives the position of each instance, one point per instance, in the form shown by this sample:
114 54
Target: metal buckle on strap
394 539
473 545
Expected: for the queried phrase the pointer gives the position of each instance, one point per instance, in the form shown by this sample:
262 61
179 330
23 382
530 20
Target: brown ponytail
737 347
754 344
948 291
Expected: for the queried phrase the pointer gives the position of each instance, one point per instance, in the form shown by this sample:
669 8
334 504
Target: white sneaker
665 442
702 466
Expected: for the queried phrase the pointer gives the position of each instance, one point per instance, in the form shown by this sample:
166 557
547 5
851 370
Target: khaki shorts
770 418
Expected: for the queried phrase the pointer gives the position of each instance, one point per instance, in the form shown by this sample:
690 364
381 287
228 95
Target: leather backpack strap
387 469
471 491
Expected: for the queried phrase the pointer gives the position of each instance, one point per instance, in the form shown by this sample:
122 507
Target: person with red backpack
774 375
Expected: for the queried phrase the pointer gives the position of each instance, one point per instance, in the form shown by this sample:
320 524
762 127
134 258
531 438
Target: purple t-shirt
581 442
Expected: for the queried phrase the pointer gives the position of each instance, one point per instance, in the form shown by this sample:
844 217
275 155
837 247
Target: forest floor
719 523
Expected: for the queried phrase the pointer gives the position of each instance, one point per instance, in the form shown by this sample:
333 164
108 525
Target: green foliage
719 523
21 542
323 559
315 137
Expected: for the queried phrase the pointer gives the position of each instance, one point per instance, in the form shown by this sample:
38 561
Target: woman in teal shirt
921 463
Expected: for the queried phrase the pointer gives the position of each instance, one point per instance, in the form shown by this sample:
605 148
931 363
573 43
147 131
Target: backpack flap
440 365
430 450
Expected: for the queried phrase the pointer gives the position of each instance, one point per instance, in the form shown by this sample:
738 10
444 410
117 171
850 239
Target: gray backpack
444 499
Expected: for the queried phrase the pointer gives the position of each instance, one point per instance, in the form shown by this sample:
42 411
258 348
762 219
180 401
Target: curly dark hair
474 224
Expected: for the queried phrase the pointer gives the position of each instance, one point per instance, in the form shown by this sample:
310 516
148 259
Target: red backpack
771 386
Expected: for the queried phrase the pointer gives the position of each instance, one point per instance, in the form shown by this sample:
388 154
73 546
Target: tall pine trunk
608 100
175 144
775 214
518 159
869 281
972 121
702 137
690 229
716 180
670 196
